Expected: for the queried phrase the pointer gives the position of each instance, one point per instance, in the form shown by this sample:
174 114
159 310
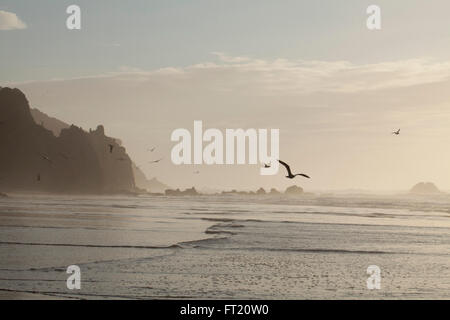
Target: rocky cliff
50 123
76 161
152 185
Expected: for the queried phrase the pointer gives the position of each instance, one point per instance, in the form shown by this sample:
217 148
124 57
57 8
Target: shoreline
6 294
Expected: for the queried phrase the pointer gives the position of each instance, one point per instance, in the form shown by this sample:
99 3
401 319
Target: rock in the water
274 191
261 191
425 188
178 192
294 190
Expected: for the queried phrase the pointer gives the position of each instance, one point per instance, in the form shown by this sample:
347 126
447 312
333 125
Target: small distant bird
111 147
396 132
152 149
156 161
266 165
290 175
43 156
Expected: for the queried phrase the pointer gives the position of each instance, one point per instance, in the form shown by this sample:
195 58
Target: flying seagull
43 156
290 175
396 132
152 149
111 147
266 165
156 161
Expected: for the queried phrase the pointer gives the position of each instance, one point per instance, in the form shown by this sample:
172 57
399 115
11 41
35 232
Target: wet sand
216 248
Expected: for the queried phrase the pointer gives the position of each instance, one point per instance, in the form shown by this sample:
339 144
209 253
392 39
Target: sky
312 69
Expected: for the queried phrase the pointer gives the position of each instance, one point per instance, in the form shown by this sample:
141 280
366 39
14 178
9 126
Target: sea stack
425 188
294 190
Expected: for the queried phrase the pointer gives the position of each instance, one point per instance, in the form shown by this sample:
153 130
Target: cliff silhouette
35 159
151 185
50 123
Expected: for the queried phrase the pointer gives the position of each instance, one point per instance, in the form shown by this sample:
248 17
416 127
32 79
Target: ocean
225 247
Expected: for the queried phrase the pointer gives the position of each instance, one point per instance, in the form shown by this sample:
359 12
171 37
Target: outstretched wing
286 166
303 175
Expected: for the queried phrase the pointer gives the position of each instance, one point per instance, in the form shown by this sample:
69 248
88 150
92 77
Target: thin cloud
287 77
301 76
10 21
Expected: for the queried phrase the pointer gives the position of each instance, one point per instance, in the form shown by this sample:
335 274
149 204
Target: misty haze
104 168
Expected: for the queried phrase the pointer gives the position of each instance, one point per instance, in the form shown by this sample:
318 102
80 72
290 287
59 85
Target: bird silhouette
111 147
396 132
290 175
46 158
156 161
266 165
152 149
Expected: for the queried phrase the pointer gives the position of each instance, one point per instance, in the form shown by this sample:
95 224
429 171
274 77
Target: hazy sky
309 68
